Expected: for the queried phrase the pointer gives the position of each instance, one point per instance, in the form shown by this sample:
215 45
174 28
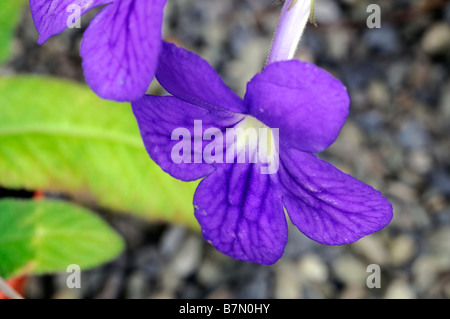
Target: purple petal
120 48
241 214
306 103
190 78
158 118
54 16
328 205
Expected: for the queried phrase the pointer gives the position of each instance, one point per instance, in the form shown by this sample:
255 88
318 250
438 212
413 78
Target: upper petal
53 16
159 118
120 48
191 78
328 205
241 214
306 103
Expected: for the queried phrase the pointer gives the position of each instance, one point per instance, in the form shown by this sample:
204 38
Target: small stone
137 286
112 287
439 240
298 243
316 44
171 241
149 260
402 250
338 43
220 293
163 295
188 257
351 271
400 289
258 285
441 180
287 283
384 40
62 291
444 103
348 143
378 93
249 62
373 249
66 293
436 39
409 216
209 272
396 74
215 33
312 268
190 290
354 293
407 175
327 12
446 290
420 74
420 161
425 272
168 281
412 135
447 13
435 202
402 191
305 54
33 288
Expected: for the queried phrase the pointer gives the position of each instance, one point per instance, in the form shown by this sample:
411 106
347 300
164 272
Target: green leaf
58 136
10 11
45 236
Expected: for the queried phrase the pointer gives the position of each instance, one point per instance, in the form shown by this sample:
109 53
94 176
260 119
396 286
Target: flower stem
294 16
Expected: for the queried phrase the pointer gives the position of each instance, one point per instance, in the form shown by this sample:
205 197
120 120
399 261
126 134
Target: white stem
8 291
294 16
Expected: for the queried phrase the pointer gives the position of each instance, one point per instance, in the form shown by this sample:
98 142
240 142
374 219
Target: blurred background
397 139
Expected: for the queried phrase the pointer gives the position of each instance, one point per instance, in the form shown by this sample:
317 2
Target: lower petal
241 214
120 48
328 205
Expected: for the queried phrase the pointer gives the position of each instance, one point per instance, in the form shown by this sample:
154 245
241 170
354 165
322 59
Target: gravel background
396 139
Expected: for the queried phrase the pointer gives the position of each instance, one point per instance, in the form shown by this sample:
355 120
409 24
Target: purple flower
120 47
239 208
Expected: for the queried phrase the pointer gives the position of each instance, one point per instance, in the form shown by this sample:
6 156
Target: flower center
255 142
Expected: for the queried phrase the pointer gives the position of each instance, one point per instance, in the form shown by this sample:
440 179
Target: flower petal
190 78
160 117
120 48
241 214
306 103
54 16
328 205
